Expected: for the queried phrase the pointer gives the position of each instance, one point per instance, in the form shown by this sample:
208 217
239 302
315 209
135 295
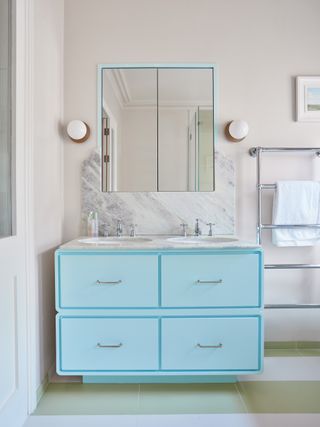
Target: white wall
173 149
48 165
259 47
138 150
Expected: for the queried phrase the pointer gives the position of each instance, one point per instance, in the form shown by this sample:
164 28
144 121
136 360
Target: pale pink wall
48 165
259 47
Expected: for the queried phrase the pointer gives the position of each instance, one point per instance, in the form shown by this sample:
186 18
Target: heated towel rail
257 153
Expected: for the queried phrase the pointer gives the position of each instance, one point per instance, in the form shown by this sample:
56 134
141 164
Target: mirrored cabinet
157 128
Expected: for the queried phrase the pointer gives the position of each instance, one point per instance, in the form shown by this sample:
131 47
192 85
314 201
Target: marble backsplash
160 213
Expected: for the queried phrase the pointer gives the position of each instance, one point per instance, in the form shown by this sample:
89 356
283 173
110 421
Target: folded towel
296 202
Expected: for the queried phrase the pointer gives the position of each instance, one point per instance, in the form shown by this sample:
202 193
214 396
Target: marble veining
160 213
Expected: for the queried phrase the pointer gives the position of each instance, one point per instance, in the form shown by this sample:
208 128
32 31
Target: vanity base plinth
165 379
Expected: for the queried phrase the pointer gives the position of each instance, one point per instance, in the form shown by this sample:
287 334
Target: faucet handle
210 224
184 226
133 230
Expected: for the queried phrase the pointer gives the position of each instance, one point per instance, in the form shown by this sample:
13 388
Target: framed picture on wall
308 99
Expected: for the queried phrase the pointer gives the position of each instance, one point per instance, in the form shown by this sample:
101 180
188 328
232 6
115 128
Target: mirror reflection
157 129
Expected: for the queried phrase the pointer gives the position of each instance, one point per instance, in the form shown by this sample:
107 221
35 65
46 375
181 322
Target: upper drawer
99 281
231 280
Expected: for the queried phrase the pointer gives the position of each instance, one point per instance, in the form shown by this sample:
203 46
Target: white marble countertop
150 242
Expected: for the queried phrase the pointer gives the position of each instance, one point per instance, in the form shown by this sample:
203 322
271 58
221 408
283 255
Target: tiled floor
204 420
244 397
287 393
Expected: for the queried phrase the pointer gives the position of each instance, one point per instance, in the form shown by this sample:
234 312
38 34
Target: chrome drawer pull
209 282
209 346
109 346
100 282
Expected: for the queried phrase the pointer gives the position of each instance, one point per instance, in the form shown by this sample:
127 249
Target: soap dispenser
93 224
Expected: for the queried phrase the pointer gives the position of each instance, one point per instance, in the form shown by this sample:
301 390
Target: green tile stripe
292 349
245 397
291 344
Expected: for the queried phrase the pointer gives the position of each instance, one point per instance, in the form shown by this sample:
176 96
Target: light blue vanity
157 311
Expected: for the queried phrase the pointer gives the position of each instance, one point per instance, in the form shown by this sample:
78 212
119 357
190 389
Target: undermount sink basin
202 239
113 240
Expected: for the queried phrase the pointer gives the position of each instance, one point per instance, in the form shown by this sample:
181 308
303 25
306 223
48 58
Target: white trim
25 38
118 82
121 86
42 388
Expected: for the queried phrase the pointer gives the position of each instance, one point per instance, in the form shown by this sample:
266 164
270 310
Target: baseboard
48 378
55 378
42 387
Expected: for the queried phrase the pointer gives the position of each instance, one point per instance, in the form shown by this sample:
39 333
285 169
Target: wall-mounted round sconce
78 131
237 130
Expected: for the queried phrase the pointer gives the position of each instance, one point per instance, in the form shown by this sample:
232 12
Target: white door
13 316
193 152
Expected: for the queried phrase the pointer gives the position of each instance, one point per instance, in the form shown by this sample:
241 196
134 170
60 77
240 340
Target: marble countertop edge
163 242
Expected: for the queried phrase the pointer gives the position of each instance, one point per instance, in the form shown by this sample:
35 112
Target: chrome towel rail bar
268 186
290 266
284 306
254 151
272 226
257 153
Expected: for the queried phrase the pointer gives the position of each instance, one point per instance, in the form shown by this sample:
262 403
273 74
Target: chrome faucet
197 230
119 228
105 230
210 225
184 229
133 230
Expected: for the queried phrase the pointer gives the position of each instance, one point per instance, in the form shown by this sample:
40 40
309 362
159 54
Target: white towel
296 202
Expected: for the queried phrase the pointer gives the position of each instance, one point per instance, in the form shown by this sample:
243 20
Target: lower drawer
213 343
88 344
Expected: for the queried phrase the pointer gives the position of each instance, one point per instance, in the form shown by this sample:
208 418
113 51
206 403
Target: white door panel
13 367
8 338
13 149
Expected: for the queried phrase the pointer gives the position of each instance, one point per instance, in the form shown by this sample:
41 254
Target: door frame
24 31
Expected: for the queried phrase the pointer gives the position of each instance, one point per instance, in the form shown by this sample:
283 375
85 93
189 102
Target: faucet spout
197 230
119 228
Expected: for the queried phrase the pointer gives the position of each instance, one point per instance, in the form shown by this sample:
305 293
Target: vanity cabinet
159 315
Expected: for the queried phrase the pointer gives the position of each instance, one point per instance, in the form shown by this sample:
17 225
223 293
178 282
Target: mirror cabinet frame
100 70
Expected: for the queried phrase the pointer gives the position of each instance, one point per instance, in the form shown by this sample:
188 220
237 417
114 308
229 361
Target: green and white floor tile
212 420
244 397
289 387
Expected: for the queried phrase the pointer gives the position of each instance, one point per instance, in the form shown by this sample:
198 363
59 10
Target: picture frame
308 98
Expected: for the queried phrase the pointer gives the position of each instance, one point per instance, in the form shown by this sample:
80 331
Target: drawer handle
116 282
209 346
209 282
109 346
